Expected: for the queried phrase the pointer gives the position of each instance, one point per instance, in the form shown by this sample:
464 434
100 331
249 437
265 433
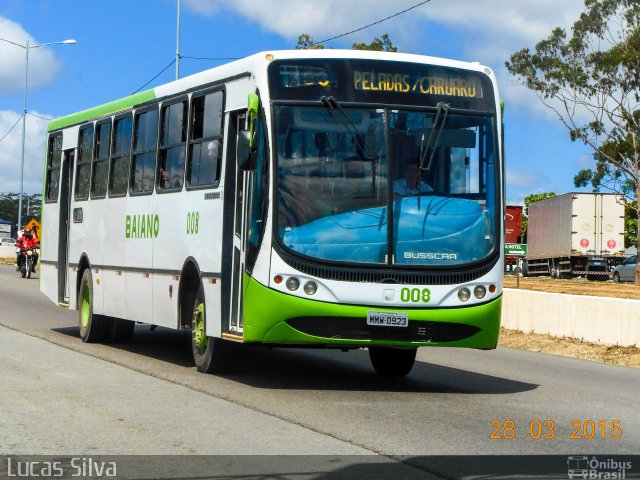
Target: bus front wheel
392 362
210 354
93 328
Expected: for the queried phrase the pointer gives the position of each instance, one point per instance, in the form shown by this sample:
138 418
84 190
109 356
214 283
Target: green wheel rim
86 307
198 335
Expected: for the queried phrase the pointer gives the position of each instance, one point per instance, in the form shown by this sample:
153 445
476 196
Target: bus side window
54 159
173 136
83 163
205 140
120 157
100 170
145 139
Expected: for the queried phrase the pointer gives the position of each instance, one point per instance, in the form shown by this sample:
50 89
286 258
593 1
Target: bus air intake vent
355 275
351 328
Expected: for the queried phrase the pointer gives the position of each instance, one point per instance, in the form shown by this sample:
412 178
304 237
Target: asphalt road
303 401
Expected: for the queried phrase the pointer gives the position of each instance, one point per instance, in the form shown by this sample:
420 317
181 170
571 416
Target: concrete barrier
612 321
7 252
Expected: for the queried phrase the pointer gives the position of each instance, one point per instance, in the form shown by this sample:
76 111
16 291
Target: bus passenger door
63 225
242 196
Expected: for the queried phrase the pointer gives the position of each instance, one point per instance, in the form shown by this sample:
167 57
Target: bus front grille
353 328
388 276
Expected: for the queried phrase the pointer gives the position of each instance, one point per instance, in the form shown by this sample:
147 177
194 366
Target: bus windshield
386 186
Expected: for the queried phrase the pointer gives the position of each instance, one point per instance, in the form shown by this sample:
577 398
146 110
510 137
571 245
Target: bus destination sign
383 82
435 84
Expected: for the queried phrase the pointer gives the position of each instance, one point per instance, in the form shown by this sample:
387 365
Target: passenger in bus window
408 185
163 177
172 170
208 170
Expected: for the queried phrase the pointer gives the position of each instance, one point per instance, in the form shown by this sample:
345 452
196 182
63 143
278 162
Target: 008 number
415 295
193 223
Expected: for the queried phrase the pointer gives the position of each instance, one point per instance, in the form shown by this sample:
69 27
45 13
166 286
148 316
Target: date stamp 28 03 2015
548 429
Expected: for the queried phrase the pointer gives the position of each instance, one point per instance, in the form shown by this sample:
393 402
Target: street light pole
178 44
24 129
27 47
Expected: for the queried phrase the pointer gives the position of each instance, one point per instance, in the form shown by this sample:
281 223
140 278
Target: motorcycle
29 261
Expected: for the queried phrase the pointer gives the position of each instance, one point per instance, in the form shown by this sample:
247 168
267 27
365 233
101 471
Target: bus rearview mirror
245 153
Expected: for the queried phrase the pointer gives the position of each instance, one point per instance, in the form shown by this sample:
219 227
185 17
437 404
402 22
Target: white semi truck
575 234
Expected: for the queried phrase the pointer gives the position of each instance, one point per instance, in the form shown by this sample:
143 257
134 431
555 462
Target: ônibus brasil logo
597 468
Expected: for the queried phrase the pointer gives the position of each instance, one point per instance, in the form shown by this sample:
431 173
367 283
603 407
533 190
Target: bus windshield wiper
438 125
432 143
361 146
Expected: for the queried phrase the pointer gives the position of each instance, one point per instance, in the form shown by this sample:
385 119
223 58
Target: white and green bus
307 198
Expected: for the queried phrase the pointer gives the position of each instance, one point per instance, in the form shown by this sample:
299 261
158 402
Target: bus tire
93 328
120 330
210 354
392 362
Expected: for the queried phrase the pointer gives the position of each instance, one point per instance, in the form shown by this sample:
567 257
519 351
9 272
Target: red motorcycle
29 260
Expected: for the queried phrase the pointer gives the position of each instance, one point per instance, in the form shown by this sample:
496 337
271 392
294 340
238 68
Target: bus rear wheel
210 354
93 328
392 362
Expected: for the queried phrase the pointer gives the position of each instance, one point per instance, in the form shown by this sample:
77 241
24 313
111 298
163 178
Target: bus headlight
292 283
464 294
310 288
479 292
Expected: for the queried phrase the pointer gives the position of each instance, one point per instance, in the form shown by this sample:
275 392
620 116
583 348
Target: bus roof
247 65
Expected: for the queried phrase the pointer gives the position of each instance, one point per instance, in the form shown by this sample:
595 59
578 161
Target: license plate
387 319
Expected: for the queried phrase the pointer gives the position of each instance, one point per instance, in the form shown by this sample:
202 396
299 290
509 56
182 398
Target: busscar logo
430 256
597 468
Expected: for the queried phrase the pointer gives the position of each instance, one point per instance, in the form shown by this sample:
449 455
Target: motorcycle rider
27 240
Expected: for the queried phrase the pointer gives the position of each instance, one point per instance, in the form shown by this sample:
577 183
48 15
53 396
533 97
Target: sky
123 44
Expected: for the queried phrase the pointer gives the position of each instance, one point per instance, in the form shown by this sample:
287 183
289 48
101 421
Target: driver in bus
27 240
410 183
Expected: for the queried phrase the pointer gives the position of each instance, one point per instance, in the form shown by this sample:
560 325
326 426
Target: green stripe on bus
102 110
266 312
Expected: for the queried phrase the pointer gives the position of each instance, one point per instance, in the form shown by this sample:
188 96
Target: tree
378 44
631 224
534 197
384 44
9 206
305 42
590 78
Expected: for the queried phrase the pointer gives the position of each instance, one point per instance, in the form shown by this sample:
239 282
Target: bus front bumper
276 318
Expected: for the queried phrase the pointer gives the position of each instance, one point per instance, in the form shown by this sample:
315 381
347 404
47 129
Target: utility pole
178 44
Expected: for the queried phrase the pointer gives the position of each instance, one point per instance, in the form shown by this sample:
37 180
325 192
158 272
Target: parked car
7 242
626 271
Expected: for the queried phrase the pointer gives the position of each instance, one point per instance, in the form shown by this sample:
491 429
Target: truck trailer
575 234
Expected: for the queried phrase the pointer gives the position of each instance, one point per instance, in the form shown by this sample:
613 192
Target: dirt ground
570 347
576 286
7 261
628 356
